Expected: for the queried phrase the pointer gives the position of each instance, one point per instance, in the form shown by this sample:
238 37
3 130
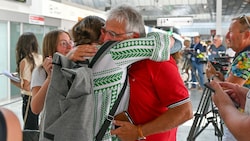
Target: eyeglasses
113 34
246 19
65 44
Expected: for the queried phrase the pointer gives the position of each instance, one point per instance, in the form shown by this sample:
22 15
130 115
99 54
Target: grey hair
219 36
128 14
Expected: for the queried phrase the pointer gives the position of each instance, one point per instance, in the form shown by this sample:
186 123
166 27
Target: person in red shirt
159 101
157 94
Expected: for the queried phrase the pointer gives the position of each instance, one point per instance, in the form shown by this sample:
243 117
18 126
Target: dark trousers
32 119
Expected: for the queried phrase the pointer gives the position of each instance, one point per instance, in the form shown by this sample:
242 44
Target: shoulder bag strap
26 111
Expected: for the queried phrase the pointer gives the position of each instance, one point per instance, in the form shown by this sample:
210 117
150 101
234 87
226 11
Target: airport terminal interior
189 18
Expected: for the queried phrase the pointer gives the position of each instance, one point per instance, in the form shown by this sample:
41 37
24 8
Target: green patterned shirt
110 73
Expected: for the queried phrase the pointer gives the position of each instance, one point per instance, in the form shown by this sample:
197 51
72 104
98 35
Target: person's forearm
26 85
235 120
169 120
38 99
137 49
227 110
17 84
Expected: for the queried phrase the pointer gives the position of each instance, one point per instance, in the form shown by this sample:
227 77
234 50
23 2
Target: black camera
222 63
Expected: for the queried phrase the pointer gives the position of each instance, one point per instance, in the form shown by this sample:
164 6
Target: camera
222 63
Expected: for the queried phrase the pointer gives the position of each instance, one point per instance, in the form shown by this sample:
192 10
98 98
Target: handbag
29 135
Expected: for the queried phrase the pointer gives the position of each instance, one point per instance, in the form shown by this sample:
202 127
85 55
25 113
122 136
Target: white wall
62 11
34 8
51 9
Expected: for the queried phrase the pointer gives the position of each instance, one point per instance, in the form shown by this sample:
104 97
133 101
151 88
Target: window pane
14 35
4 81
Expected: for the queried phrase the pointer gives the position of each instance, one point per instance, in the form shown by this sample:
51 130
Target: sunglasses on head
246 20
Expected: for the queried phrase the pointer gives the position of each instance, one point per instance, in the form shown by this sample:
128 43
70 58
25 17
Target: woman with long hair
27 58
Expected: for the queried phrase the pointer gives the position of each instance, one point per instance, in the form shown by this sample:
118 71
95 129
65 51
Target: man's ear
247 34
136 35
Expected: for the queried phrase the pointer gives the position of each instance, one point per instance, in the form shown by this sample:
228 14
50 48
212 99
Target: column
218 16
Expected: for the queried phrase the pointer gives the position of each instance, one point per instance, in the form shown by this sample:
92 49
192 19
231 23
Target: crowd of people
239 75
200 53
155 110
232 87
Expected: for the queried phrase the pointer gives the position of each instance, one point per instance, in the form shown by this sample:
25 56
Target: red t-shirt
155 87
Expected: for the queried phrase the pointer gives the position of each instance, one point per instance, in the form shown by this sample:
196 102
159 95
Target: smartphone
123 116
208 85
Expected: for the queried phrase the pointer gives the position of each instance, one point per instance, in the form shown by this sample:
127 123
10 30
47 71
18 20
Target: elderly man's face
217 41
116 31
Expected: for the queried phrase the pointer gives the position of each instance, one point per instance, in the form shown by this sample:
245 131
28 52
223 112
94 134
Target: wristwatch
140 134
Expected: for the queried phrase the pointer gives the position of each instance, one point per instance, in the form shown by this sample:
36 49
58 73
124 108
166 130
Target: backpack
68 108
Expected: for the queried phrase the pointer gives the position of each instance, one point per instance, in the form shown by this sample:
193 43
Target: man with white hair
217 48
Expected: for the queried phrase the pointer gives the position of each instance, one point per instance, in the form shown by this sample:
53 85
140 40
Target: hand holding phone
123 116
208 85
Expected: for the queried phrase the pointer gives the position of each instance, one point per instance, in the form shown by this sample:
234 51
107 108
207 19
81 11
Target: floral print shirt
241 67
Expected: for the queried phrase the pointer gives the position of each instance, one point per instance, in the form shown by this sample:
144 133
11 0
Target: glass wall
14 35
49 28
38 30
8 56
4 60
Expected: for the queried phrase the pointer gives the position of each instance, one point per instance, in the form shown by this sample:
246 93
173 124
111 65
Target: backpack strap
100 54
102 51
110 117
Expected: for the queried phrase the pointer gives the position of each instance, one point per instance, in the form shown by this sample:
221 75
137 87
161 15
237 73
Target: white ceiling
203 12
200 10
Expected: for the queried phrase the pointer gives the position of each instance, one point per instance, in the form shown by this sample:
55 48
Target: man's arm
172 118
233 118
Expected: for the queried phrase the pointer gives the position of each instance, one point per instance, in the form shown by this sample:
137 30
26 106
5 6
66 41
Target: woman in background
27 58
85 31
54 41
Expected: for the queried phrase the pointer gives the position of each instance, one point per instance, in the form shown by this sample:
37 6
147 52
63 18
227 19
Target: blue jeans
197 67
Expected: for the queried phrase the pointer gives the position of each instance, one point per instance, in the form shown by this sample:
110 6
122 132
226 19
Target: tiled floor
207 134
